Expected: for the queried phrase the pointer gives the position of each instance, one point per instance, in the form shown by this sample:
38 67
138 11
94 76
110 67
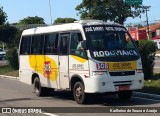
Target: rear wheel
39 91
78 92
125 95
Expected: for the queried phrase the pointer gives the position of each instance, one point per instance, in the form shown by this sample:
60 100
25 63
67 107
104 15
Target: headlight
99 72
139 70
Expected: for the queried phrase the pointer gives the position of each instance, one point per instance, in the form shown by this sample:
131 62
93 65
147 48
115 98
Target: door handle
65 75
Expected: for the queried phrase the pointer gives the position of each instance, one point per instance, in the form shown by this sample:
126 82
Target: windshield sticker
109 29
119 29
115 53
99 28
90 29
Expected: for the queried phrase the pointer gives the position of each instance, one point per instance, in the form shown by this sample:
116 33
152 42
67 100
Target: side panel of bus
38 57
25 70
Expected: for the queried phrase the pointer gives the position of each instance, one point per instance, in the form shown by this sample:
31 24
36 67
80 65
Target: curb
146 95
11 77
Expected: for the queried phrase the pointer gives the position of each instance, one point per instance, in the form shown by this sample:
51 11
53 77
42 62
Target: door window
64 44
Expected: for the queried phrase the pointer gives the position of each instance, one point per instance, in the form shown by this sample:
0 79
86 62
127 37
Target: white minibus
87 56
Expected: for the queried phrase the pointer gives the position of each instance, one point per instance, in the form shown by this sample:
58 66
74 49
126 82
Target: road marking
50 114
147 99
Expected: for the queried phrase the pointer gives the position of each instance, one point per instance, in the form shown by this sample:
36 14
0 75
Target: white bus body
49 57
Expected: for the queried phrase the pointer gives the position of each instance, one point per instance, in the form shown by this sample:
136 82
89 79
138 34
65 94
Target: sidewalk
10 77
158 53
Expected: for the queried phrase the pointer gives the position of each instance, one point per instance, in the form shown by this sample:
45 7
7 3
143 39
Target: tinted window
37 44
64 44
51 43
76 45
110 43
25 45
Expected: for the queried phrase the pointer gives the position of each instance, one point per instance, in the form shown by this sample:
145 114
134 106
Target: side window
51 44
25 45
76 45
64 44
37 44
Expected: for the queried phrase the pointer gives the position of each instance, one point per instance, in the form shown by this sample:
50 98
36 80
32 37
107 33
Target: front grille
122 83
123 73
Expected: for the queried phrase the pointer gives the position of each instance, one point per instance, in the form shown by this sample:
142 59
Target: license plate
113 66
123 88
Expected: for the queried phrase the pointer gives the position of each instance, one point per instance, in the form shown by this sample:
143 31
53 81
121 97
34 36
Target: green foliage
113 10
14 42
12 57
32 20
7 33
64 20
3 16
147 49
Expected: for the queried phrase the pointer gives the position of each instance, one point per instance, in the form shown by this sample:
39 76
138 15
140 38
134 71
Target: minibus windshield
110 43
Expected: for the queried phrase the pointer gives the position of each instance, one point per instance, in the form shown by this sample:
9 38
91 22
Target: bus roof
77 25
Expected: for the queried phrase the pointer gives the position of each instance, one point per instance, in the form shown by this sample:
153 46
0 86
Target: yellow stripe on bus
82 60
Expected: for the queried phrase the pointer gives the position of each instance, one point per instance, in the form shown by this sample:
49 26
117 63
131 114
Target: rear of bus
114 64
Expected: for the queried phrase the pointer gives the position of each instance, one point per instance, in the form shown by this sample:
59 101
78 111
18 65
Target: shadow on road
104 100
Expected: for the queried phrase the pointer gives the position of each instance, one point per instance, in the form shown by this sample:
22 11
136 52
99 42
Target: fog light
139 71
103 83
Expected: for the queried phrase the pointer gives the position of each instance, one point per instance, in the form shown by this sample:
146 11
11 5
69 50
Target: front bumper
106 83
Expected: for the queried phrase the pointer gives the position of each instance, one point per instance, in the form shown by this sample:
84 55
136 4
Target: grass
9 71
152 86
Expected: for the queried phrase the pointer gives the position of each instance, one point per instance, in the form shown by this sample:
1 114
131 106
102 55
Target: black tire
125 95
78 93
38 90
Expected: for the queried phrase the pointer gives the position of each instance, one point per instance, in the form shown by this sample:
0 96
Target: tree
3 16
64 20
113 10
7 32
32 20
147 50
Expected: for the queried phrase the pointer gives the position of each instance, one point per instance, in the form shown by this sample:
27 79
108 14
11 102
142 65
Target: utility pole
146 10
50 10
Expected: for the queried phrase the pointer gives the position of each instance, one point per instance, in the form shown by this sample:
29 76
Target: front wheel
125 95
78 93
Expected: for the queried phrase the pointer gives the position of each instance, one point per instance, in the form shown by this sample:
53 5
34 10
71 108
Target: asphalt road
14 93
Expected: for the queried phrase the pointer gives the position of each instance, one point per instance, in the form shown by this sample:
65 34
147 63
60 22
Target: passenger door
63 60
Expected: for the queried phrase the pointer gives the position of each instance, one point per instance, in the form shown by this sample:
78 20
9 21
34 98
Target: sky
18 9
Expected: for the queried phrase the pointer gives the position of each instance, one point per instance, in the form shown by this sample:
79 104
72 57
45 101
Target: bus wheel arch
33 77
74 79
